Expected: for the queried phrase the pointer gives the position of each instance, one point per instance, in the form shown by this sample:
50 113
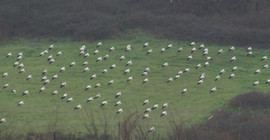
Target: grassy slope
43 110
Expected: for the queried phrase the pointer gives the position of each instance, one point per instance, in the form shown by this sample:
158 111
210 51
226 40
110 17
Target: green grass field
41 110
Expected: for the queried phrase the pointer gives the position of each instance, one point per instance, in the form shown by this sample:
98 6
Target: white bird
149 51
15 64
213 90
3 120
256 83
20 103
129 63
98 96
99 44
192 43
93 76
51 47
86 55
180 49
127 71
257 71
88 87
63 84
187 70
200 82
265 66
104 103
104 71
82 53
110 82
106 56
152 129
177 76
145 45
165 64
50 57
198 66
22 71
128 48
169 46
113 66
147 69
145 80
232 48
129 78
64 96
220 51
86 69
249 53
46 82
78 107
193 49
54 76
145 102
5 75
217 77
41 89
85 63
201 46
55 92
119 111
83 48
180 72
147 110
184 91
264 58
97 85
231 75
164 105
155 106
170 80
267 81
117 103
59 53
96 52
163 113
249 49
45 51
13 91
234 68
206 64
51 61
118 94
202 76
62 69
122 57
162 50
25 93
233 59
112 49
21 65
72 64
221 71
90 99
209 58
145 116
9 54
6 85
189 57
205 53
44 72
69 99
19 58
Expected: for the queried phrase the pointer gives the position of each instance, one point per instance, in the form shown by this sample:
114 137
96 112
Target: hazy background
237 22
